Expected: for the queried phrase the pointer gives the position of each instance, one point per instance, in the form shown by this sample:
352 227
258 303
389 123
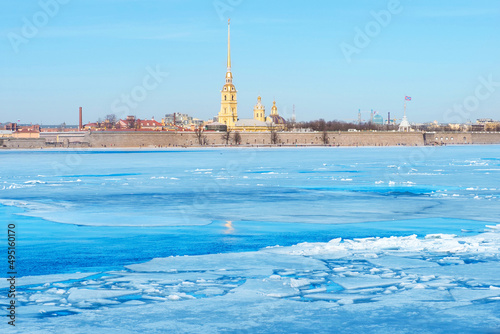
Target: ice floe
395 271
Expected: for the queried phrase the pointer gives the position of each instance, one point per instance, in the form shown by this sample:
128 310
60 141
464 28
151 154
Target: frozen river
241 240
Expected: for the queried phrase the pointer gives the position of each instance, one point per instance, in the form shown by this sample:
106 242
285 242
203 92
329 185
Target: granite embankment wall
485 138
448 138
22 143
461 138
189 139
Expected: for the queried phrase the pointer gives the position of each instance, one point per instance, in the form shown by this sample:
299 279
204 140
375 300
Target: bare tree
324 138
227 136
111 118
110 121
107 125
131 122
237 138
321 124
273 133
202 139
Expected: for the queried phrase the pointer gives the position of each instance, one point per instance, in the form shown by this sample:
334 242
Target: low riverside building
181 120
216 126
5 133
91 126
150 125
251 124
130 123
9 126
27 132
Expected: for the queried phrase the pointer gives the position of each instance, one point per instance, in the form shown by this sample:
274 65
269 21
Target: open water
102 218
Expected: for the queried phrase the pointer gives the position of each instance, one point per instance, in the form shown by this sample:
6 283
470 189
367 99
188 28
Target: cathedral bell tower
228 114
259 111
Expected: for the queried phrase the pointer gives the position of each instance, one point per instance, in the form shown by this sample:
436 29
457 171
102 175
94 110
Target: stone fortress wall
252 139
189 139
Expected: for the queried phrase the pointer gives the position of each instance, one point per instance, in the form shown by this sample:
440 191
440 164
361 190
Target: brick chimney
80 125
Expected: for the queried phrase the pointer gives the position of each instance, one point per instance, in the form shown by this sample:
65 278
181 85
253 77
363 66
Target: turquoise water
100 210
382 240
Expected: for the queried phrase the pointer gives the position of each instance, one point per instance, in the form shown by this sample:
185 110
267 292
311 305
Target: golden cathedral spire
228 114
229 75
229 45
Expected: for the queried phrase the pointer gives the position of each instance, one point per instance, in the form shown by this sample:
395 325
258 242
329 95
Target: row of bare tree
322 125
232 136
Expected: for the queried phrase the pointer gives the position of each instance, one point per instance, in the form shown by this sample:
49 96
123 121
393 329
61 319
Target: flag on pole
407 98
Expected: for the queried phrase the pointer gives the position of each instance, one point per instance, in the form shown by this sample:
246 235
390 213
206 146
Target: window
225 98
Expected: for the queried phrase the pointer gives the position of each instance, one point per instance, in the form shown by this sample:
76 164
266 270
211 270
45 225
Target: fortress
152 139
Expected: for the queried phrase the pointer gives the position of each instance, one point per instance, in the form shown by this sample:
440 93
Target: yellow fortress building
228 114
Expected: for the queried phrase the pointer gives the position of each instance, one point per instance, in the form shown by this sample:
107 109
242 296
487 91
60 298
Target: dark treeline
322 125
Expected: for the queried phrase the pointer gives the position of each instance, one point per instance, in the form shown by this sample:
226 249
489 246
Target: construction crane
371 112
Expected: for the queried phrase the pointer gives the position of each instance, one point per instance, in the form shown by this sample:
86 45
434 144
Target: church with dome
228 114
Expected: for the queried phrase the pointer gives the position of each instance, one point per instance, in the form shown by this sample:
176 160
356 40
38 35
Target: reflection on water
229 228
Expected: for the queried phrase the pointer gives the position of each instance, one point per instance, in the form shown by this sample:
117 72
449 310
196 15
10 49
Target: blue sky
89 53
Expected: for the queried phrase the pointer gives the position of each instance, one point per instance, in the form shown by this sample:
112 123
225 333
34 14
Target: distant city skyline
151 58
